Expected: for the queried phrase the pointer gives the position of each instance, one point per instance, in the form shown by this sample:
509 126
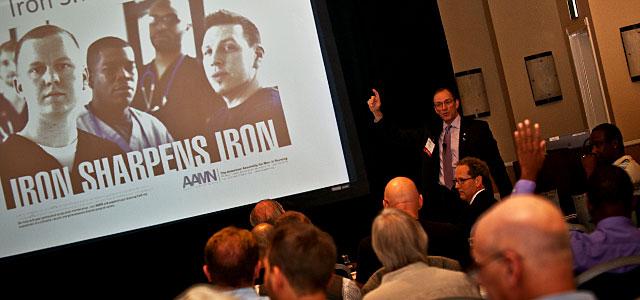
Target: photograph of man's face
50 74
7 73
114 76
229 61
166 28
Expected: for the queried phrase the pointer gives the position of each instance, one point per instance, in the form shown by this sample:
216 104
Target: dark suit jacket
480 204
475 140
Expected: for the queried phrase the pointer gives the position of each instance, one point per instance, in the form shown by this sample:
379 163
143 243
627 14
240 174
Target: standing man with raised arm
443 145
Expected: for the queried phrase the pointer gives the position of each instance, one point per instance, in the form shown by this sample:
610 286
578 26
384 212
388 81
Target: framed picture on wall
631 43
473 93
543 78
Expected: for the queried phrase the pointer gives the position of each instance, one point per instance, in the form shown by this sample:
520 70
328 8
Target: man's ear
205 269
385 203
259 51
420 201
513 263
277 280
478 181
86 79
256 270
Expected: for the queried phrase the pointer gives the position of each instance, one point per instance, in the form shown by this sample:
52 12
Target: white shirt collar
455 123
474 195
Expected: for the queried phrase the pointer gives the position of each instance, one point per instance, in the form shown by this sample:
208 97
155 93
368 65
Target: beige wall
496 35
608 16
470 46
524 28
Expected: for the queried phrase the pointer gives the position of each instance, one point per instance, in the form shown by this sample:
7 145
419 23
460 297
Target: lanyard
149 73
121 142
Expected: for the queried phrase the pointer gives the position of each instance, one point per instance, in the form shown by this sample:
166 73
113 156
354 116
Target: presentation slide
118 115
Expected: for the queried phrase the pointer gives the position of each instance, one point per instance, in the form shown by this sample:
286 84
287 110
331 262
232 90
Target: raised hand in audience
530 148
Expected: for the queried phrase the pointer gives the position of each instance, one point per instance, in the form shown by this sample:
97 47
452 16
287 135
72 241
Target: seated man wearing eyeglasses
473 182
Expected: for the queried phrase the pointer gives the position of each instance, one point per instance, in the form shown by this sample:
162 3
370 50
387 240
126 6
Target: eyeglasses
444 103
460 181
169 19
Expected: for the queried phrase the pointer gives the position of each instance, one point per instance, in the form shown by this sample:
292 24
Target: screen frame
356 186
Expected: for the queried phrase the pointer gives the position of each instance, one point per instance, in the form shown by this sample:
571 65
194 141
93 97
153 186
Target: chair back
607 285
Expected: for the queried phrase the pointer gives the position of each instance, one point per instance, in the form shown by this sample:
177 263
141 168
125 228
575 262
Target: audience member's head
472 175
398 239
401 193
262 232
231 258
609 193
265 211
521 249
606 143
291 217
300 262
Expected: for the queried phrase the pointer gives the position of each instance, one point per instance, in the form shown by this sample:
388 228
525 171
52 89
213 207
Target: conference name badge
428 147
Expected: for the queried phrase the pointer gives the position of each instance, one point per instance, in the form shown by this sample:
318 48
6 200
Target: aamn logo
200 178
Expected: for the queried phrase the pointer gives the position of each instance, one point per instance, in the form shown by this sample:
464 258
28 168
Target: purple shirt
524 186
613 237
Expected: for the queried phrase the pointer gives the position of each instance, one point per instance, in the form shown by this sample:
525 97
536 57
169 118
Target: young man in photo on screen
232 54
113 77
13 108
172 87
51 77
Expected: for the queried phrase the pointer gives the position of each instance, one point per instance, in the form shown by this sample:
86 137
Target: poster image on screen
161 111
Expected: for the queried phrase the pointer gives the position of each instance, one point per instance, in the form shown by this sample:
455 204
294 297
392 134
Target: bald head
525 242
401 193
265 211
539 218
